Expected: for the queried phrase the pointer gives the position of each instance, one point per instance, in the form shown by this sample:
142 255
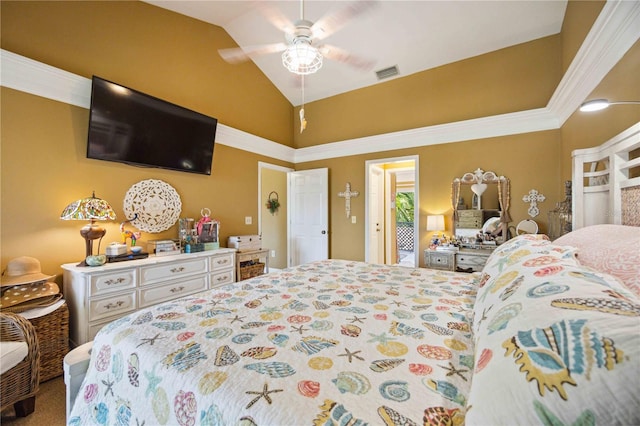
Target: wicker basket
53 337
251 271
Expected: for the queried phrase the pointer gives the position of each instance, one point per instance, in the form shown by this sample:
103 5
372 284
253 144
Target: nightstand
440 259
250 264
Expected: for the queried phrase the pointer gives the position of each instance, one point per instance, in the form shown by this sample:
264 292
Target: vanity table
490 195
488 218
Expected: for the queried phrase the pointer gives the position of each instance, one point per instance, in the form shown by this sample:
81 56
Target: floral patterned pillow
556 343
614 249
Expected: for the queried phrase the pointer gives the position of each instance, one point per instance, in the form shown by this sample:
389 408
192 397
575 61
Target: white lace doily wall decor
156 203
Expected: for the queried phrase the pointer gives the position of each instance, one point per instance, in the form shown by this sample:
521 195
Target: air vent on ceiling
387 72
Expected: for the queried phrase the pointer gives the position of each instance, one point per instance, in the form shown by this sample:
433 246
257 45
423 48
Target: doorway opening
391 222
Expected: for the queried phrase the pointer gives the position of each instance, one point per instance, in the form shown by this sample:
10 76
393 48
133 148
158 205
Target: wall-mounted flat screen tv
131 127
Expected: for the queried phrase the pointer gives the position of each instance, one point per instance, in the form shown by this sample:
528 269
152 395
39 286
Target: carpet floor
50 407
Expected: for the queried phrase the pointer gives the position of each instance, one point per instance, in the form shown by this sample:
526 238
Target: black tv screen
131 127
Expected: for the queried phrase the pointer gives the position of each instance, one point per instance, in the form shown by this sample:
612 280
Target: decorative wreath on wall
156 204
272 202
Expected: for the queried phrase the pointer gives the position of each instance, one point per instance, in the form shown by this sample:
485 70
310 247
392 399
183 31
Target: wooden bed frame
606 181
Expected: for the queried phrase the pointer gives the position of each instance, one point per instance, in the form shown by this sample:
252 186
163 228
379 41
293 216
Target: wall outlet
353 219
248 220
273 253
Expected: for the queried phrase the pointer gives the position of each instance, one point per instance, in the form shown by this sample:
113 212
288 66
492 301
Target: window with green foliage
404 207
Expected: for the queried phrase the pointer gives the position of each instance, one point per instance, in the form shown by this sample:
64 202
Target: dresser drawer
111 306
439 259
471 261
112 281
469 223
219 263
170 271
152 295
470 214
221 278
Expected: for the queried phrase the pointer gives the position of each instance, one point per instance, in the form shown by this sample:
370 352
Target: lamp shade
435 222
90 208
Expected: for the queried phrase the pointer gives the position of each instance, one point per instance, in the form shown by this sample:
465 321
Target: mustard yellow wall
517 78
153 50
174 57
44 167
585 130
274 226
578 20
522 158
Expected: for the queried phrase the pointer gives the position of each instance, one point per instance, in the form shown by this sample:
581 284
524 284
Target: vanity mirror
488 196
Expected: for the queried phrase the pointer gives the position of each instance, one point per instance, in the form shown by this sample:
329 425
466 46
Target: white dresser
98 295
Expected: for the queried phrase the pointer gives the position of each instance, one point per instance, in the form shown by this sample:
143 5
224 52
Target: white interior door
391 233
375 221
380 207
308 216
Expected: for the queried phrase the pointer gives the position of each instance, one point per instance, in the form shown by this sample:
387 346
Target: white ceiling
412 35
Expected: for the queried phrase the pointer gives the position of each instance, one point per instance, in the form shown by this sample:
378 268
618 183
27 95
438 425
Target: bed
332 340
535 338
547 333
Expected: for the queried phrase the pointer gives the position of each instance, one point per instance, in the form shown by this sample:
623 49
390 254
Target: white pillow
11 353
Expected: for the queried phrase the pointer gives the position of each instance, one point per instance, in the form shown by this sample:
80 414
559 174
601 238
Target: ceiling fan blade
337 54
236 55
331 23
277 18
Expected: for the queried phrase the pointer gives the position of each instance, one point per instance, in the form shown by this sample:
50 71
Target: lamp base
91 232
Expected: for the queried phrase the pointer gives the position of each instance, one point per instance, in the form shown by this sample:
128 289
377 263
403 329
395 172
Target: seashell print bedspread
331 342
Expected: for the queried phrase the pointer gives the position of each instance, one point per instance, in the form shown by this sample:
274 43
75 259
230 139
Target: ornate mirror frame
478 180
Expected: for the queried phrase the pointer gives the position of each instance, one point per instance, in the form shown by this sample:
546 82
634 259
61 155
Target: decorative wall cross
533 198
347 194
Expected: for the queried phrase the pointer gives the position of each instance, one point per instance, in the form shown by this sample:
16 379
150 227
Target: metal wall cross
347 194
533 198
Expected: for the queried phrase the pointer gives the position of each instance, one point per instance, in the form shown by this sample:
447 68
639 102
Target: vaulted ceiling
411 35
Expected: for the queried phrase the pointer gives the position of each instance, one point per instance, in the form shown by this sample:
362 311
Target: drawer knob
222 277
177 289
114 281
114 305
179 269
222 261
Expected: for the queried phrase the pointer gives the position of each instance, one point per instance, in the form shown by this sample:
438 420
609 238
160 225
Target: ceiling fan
302 52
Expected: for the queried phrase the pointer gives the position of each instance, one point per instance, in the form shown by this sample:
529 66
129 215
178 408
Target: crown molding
235 138
616 29
26 75
29 76
613 33
498 125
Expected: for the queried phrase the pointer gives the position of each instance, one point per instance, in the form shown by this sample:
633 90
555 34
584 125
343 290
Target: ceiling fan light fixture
302 58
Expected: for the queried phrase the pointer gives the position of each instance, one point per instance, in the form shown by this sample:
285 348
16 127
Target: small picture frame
209 233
